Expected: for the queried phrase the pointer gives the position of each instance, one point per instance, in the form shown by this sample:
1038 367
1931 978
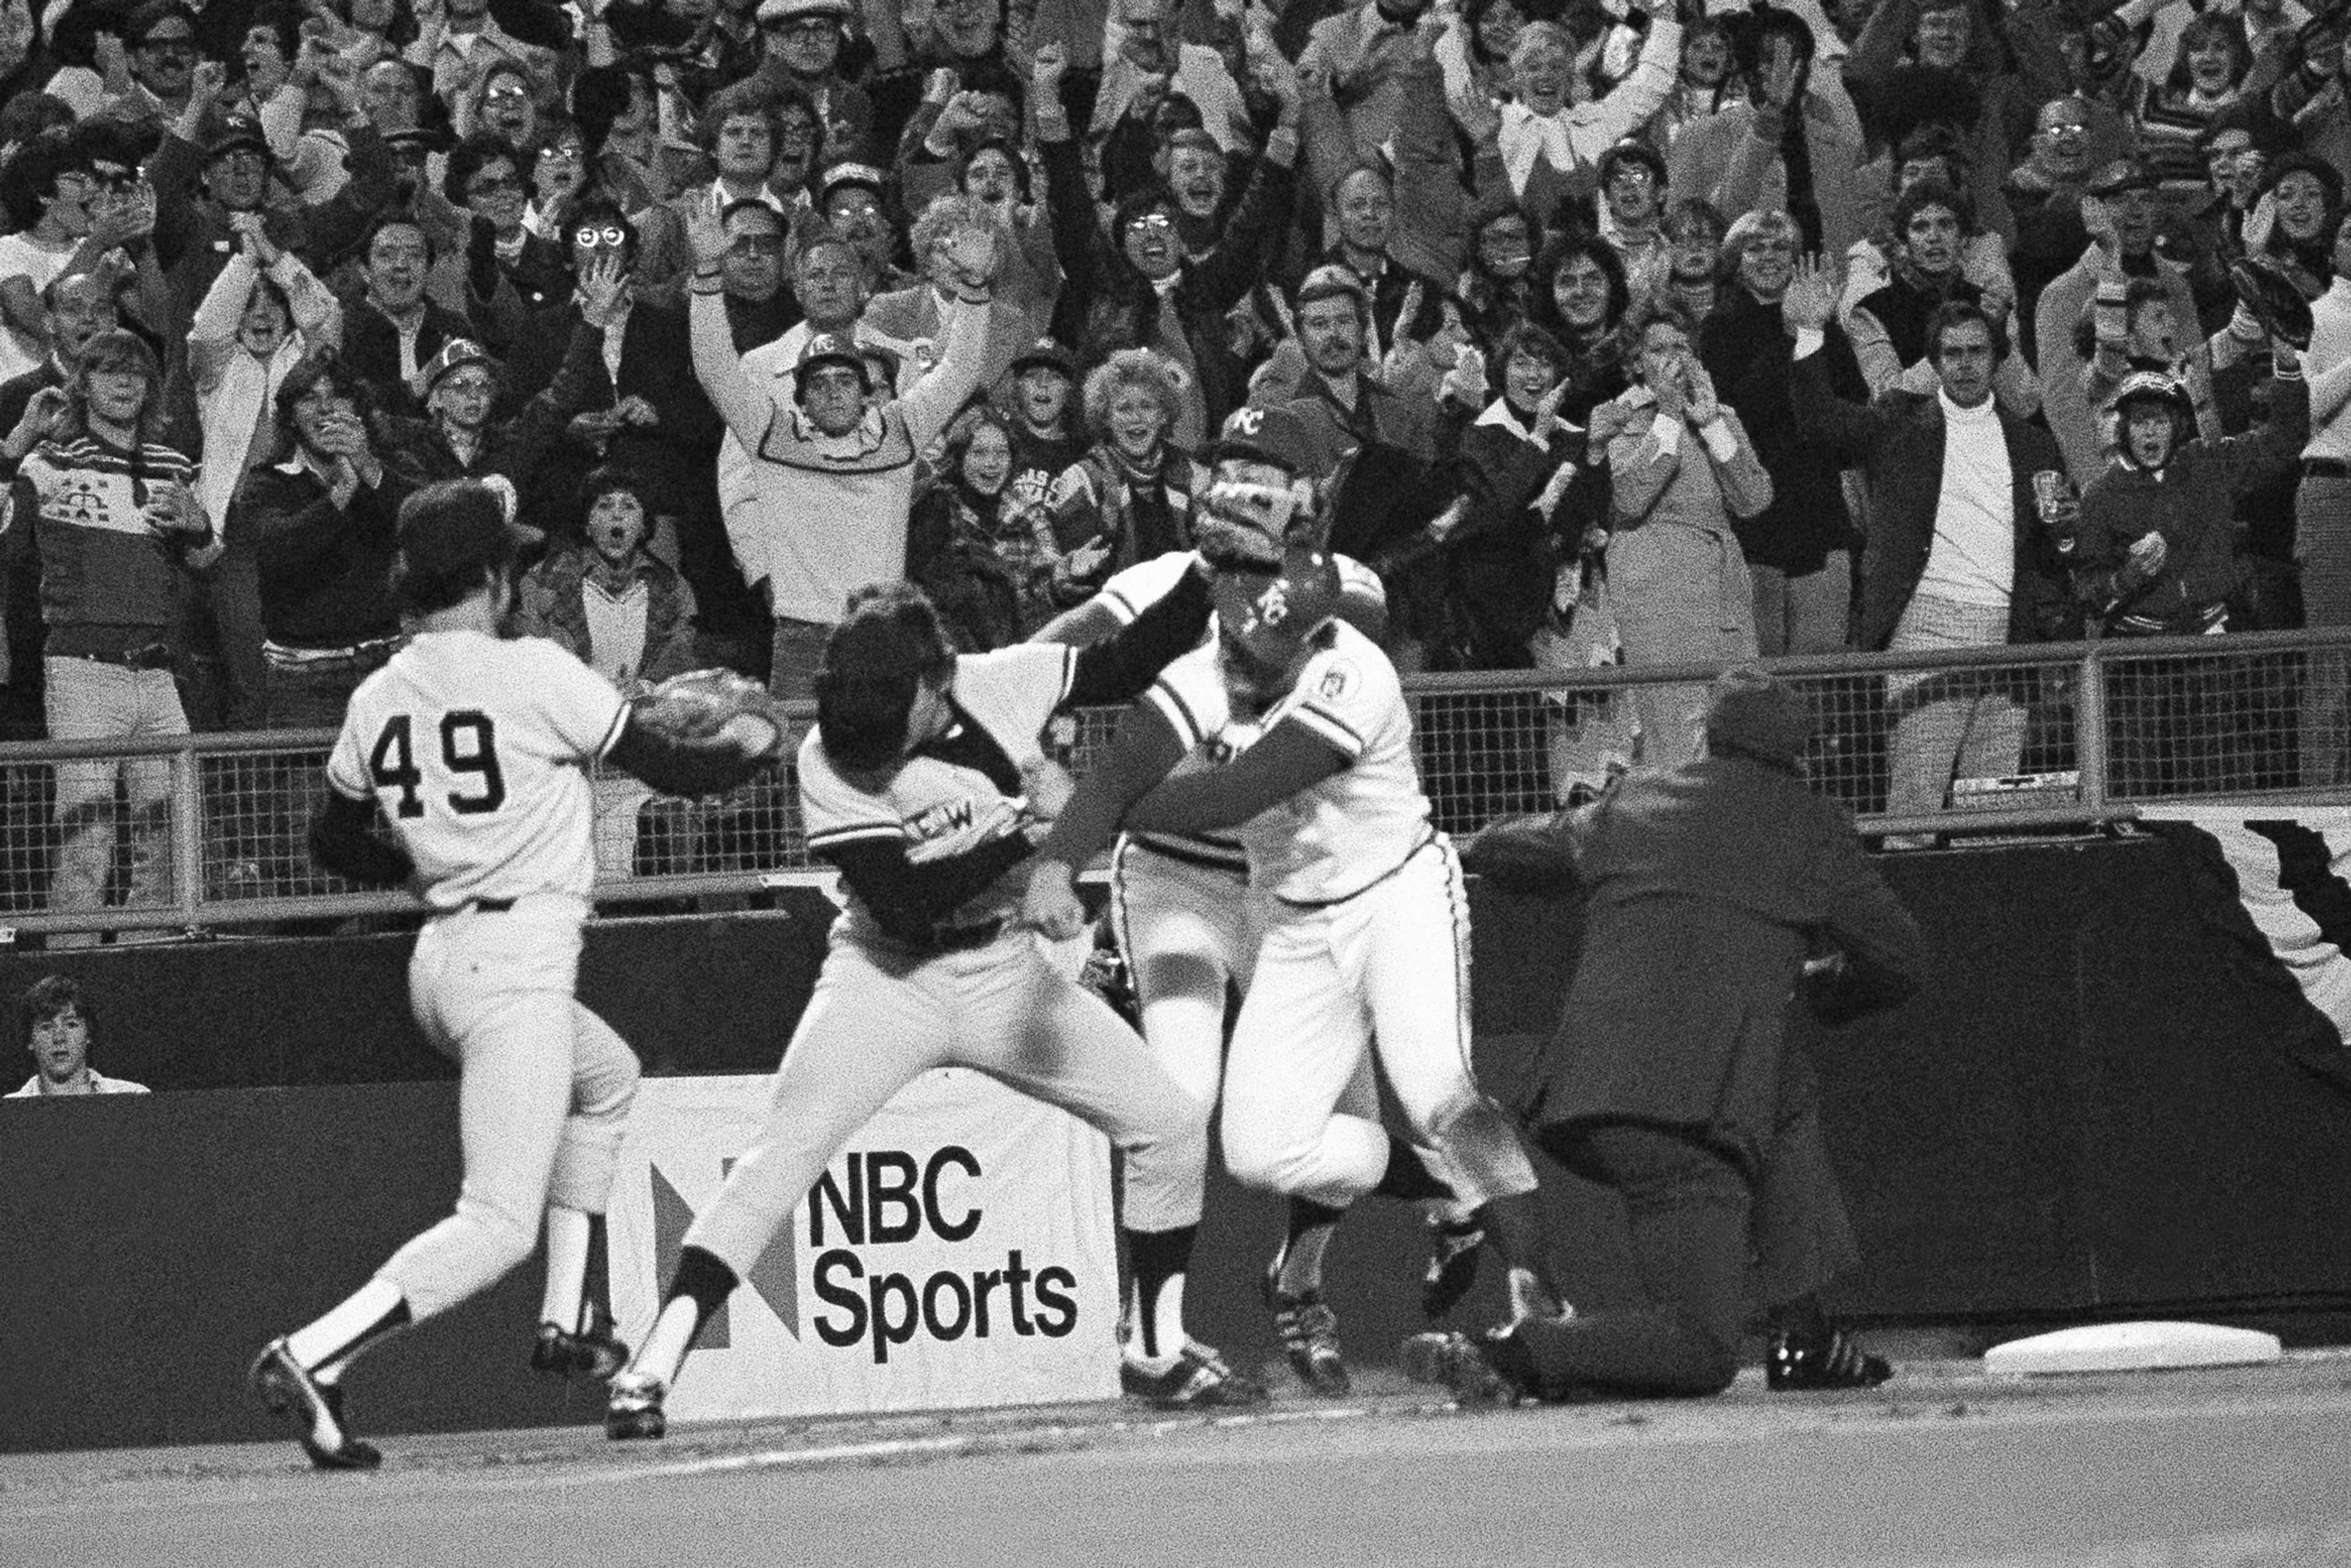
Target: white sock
672 1335
1167 1325
566 1267
326 1346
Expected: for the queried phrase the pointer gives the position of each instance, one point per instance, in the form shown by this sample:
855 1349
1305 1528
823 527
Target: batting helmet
1273 613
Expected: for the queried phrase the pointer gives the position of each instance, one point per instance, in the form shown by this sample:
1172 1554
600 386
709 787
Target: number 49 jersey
477 750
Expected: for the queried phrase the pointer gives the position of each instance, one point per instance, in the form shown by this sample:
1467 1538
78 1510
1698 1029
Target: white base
2132 1347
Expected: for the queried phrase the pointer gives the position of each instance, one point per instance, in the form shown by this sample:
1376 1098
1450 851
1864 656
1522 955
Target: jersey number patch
468 744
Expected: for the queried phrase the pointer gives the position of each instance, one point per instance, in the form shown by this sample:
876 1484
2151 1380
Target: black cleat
1833 1360
633 1408
1309 1332
1453 1246
1199 1379
594 1353
286 1388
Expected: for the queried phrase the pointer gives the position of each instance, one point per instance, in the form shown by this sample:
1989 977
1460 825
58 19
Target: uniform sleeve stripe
1332 729
1188 728
612 735
1116 602
855 830
1068 674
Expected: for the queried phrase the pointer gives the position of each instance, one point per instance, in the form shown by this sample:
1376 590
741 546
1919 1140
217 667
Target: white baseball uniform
1366 938
476 751
974 990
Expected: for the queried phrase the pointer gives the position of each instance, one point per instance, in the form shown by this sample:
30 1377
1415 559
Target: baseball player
475 751
1359 895
1181 907
920 785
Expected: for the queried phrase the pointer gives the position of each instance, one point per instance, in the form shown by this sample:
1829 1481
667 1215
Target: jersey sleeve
1190 695
584 711
1132 590
1348 695
837 812
1014 691
346 772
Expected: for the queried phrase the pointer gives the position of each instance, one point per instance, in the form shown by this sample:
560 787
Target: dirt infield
1944 1466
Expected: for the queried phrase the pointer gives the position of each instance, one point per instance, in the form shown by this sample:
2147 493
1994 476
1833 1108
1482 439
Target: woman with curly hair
1582 298
1129 498
984 556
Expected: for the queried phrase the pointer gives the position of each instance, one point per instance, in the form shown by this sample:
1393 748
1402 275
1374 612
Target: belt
2325 468
1428 840
312 658
151 656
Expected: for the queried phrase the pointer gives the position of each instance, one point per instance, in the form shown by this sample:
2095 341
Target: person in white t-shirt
46 188
58 1022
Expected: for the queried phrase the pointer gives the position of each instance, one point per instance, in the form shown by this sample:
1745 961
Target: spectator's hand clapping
42 415
972 252
1810 303
1704 407
174 509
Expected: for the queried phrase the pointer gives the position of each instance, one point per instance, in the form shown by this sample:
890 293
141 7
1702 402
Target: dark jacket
553 605
1105 305
325 571
372 348
513 448
2192 504
1501 559
1708 887
1746 348
1899 441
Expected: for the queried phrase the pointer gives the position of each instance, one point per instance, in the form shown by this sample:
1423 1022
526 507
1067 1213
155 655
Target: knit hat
1748 711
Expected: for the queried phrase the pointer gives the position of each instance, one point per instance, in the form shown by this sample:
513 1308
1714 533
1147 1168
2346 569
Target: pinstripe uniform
1363 905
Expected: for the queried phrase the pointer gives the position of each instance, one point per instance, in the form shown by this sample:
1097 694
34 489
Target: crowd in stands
1645 333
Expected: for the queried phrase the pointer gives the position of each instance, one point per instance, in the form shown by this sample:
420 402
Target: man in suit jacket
1956 555
1712 889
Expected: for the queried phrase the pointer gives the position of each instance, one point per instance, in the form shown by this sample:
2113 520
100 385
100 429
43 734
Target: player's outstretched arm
678 764
1292 757
342 840
1124 667
1533 853
1142 753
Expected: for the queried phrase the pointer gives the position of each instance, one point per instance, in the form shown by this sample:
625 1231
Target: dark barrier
2094 1109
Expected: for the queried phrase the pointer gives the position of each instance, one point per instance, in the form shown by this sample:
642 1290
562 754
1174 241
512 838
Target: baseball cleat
1833 1360
1197 1378
633 1408
286 1388
594 1353
1309 1332
1453 1246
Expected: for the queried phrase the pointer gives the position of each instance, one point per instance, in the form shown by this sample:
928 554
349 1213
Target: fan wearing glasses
513 274
72 214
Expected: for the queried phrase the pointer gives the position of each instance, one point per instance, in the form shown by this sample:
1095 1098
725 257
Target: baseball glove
696 711
2270 296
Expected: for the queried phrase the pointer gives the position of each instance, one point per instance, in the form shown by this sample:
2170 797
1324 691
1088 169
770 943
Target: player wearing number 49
476 750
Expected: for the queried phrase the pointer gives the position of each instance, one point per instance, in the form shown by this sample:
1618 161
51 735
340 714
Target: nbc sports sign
957 1252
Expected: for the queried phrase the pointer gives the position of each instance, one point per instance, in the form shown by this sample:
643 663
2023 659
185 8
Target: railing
2081 733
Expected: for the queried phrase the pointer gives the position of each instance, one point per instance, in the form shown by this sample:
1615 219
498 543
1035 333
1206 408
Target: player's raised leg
866 1034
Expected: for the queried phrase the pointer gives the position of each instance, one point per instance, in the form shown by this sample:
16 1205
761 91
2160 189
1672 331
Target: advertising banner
959 1252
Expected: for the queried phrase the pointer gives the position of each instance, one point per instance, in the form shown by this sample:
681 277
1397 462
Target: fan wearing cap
212 167
1040 391
458 438
2154 553
832 469
1137 290
473 751
923 783
1345 408
800 42
1707 888
1360 894
2121 214
853 197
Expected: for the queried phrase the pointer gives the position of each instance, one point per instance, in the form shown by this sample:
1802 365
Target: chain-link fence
210 831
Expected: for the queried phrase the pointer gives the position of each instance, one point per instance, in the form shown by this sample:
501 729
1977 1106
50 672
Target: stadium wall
2108 1102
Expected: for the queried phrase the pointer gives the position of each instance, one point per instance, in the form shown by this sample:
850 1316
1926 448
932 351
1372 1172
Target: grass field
2250 1468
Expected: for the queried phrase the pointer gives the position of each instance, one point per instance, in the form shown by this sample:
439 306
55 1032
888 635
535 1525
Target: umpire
1709 887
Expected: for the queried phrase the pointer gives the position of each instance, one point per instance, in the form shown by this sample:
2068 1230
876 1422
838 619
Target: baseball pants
879 1020
1332 981
543 1095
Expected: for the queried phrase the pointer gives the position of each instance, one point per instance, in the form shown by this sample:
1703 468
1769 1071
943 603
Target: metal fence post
188 833
2090 726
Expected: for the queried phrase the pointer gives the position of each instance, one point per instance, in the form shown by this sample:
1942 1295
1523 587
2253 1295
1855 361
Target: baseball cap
1273 436
830 349
2122 174
235 130
2141 386
1272 613
454 354
1045 354
789 10
454 527
836 175
1747 710
1329 281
